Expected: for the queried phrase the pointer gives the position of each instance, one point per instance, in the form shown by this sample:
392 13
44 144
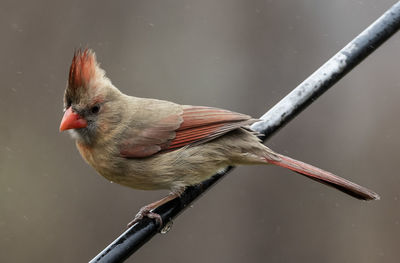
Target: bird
152 144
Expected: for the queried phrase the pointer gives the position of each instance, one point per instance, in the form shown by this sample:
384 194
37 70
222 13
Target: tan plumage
154 144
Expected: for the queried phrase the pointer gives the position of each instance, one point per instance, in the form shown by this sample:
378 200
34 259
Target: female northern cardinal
154 144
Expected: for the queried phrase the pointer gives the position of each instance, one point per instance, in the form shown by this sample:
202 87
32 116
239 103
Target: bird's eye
95 109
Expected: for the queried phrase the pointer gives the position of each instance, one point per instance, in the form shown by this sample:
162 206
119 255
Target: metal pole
291 105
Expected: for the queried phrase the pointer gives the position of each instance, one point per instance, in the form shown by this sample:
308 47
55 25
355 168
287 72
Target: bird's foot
146 212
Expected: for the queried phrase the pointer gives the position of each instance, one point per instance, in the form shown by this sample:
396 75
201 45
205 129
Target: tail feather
325 177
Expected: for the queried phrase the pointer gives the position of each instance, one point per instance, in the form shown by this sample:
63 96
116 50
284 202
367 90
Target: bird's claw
146 212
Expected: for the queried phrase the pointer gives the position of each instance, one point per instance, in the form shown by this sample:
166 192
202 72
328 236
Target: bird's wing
201 124
188 126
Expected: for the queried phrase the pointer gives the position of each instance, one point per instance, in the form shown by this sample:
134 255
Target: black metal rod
291 105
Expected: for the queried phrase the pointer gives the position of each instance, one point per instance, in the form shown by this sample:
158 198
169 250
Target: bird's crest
83 68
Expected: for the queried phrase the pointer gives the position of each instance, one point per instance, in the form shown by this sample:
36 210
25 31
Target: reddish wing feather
195 116
151 138
195 134
199 125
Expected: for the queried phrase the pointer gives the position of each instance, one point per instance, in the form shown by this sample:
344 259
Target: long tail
325 177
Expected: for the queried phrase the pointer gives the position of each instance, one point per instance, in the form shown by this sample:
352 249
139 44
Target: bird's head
86 97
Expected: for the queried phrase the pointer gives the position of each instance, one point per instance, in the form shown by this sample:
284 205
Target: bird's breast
86 152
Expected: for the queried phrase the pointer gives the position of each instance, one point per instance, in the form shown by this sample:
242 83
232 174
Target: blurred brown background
242 55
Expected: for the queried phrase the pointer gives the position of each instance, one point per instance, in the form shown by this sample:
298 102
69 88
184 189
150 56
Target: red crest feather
82 68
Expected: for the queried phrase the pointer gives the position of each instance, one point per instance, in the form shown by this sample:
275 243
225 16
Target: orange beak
72 120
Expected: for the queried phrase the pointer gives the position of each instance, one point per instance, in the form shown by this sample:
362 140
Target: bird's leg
146 211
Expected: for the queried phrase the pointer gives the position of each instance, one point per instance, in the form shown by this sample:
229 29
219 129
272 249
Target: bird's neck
83 136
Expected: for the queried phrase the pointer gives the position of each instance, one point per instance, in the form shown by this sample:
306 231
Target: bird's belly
163 171
125 172
169 170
